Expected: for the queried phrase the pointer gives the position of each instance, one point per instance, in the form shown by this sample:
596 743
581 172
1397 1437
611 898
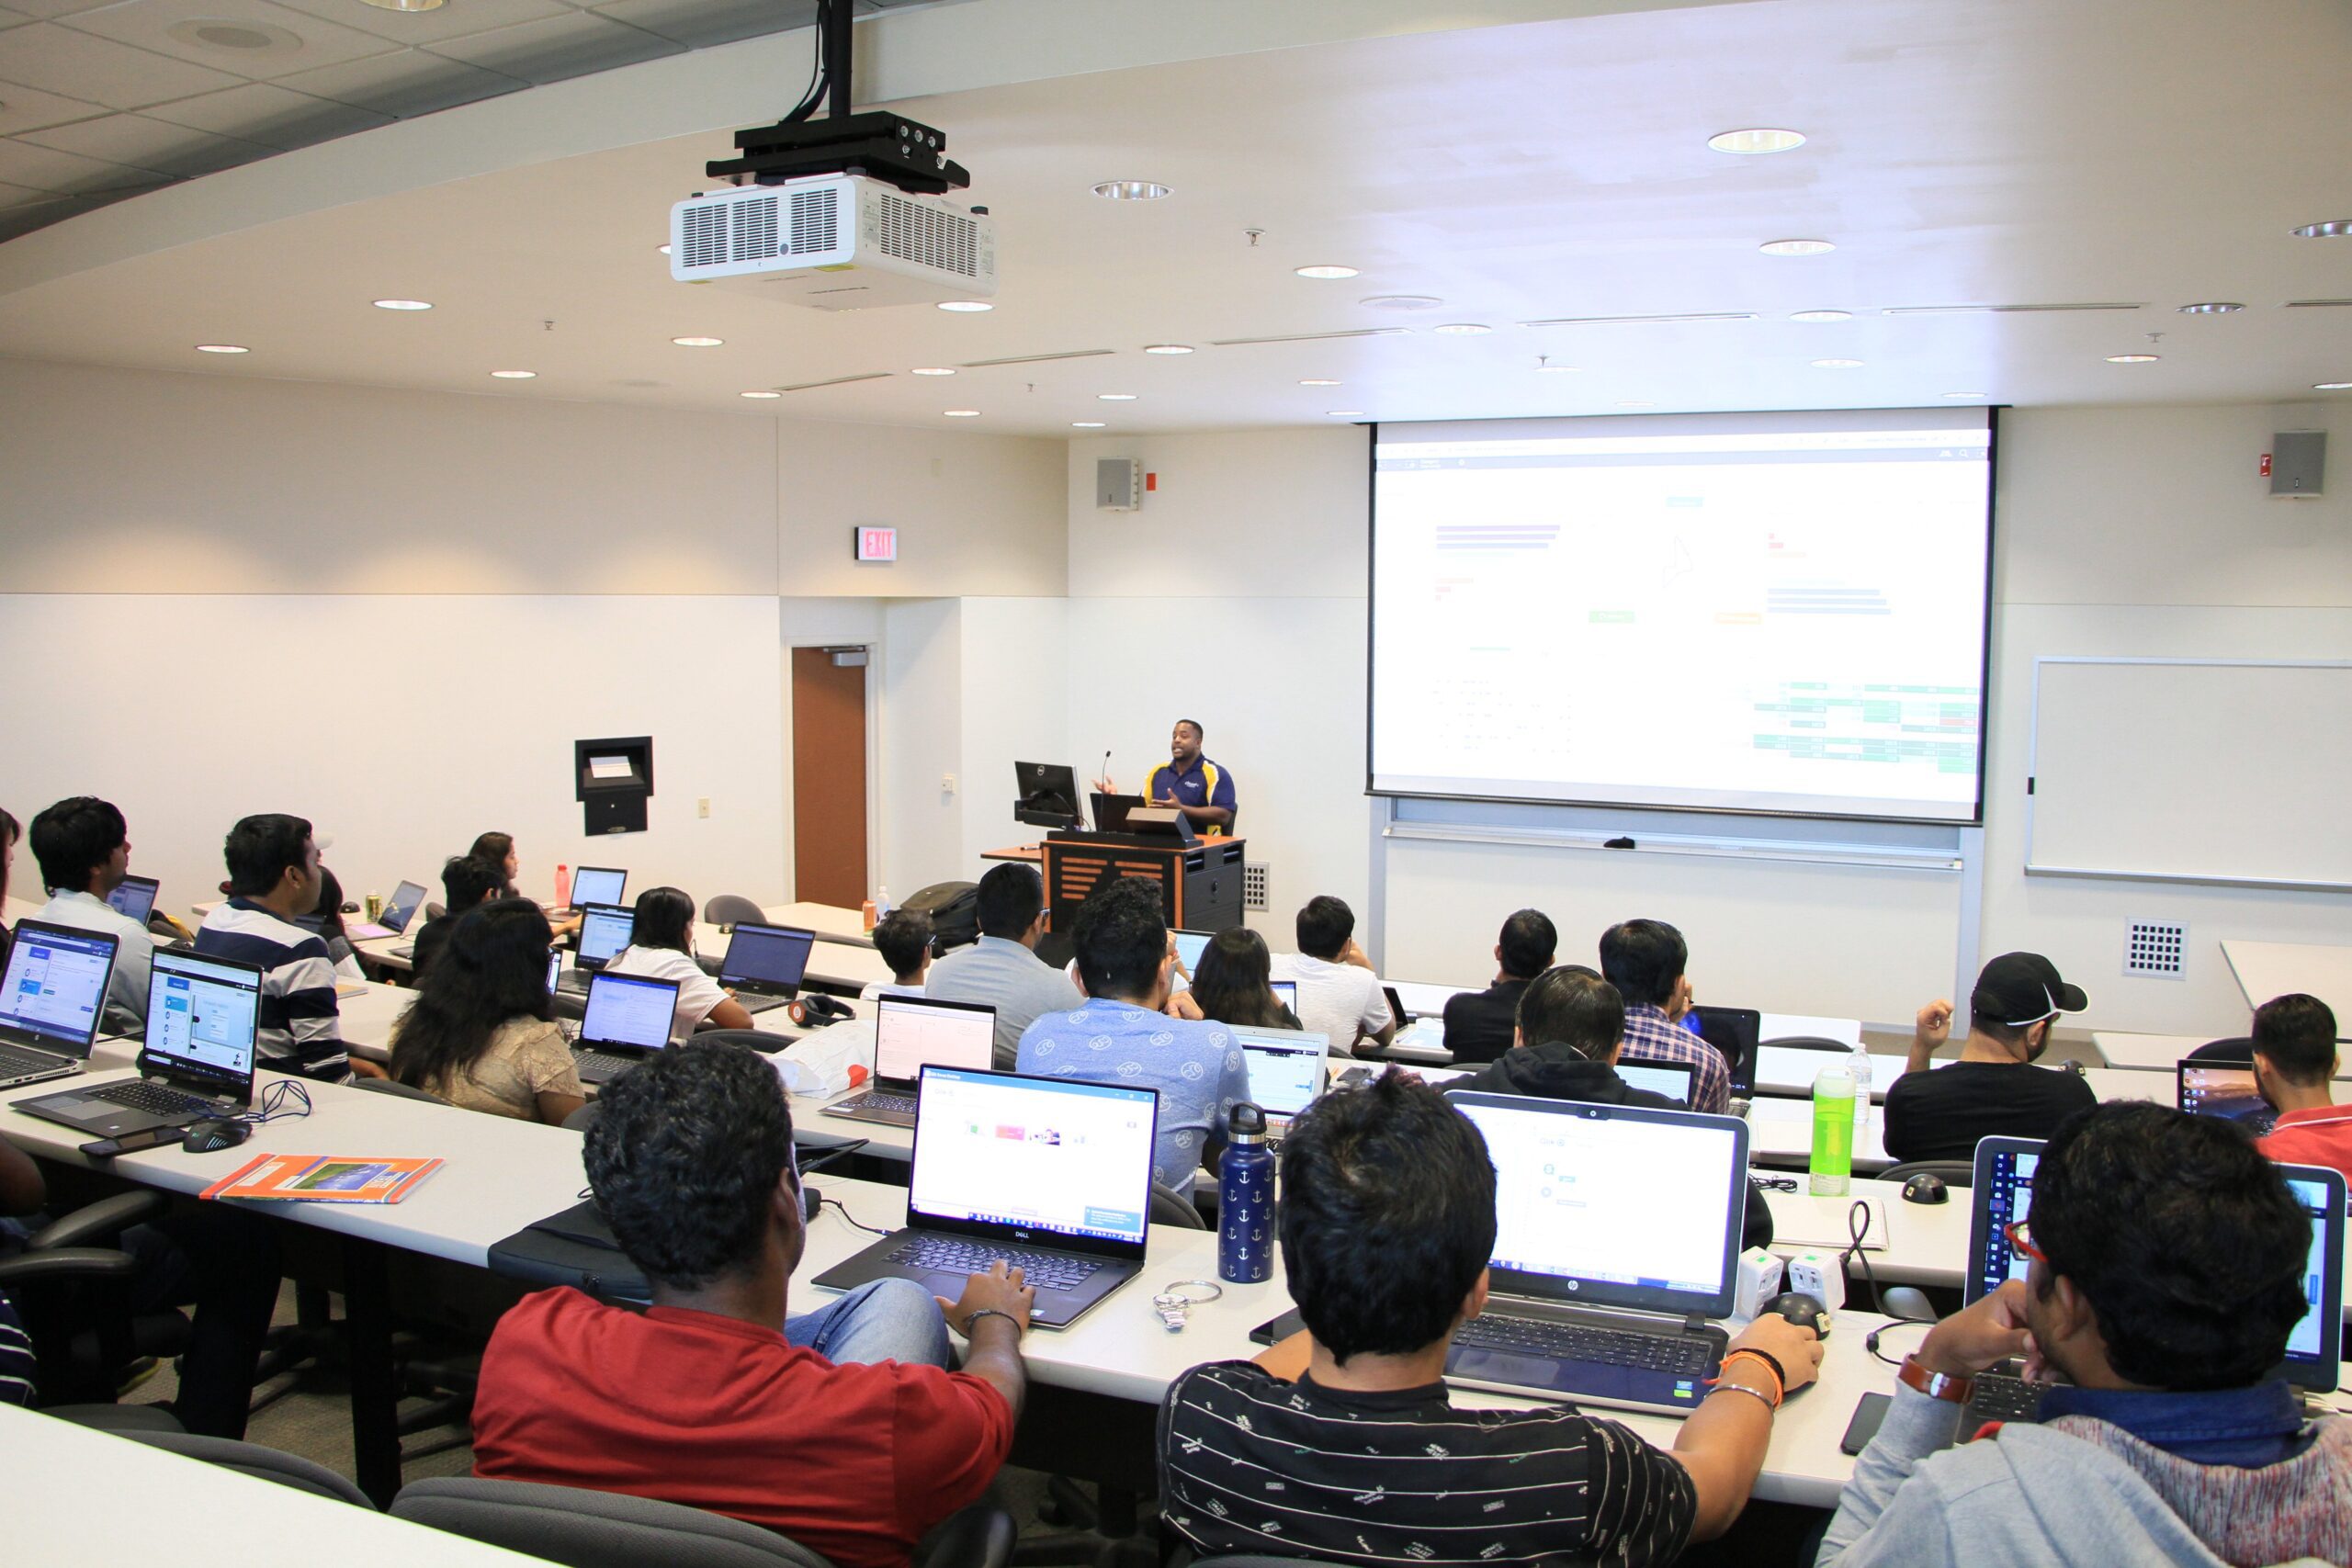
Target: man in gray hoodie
2168 1260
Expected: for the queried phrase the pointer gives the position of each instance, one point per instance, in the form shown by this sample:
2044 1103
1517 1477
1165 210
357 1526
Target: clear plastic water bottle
881 901
1245 1199
1832 1165
1861 1070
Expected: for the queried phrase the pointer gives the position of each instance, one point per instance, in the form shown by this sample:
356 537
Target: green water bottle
1832 1132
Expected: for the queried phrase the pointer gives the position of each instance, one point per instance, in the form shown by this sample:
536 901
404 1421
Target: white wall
1016 679
923 738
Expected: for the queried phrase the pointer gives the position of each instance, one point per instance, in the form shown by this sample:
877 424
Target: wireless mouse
213 1135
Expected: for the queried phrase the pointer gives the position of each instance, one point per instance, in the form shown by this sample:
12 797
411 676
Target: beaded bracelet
1780 1385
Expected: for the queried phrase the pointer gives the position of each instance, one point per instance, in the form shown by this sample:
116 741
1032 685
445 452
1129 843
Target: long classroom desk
2267 969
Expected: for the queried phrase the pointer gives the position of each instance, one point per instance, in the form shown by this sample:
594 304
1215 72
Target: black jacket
1557 1072
1478 1024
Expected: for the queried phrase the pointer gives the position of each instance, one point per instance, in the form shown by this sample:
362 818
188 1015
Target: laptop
52 996
1111 811
1672 1080
1603 1287
134 897
399 909
910 1034
2003 1193
764 965
2223 1089
555 969
1190 945
1287 1070
1051 1175
196 1063
1733 1032
606 931
597 884
628 1020
1286 993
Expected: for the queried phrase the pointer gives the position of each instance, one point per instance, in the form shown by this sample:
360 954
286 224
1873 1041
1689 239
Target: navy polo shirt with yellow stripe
1203 783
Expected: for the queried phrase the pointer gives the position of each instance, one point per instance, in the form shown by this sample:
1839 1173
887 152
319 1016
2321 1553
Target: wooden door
829 776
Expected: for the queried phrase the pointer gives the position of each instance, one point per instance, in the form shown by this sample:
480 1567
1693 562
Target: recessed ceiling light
1114 397
2210 308
1345 413
963 414
1796 247
663 249
1318 381
1168 348
1836 365
2132 358
1821 315
407 5
1401 302
759 394
516 375
2334 229
962 307
1964 395
1759 140
933 370
1086 424
220 348
1131 190
2332 386
1324 270
404 305
698 342
1462 329
235 37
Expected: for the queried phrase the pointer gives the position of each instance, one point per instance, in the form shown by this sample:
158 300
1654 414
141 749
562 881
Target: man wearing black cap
1993 1091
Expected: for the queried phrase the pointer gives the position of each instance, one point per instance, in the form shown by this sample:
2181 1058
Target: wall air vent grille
1253 886
2156 950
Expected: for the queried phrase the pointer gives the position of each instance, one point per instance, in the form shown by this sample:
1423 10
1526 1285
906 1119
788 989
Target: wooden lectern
1200 883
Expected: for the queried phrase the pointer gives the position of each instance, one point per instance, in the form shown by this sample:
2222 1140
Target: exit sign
875 544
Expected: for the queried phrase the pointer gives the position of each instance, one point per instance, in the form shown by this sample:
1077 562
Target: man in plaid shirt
1644 959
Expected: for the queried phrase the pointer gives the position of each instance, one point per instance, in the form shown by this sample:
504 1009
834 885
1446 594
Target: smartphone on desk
1864 1425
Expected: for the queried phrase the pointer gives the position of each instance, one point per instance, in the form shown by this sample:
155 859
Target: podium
1200 883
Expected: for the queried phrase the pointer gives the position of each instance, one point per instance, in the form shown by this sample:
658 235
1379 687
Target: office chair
1808 1042
1252 1560
582 1119
1169 1207
608 1530
731 910
397 1089
72 1286
758 1040
261 1464
2238 1049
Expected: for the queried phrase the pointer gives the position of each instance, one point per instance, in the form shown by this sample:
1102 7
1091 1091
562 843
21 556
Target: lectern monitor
1047 795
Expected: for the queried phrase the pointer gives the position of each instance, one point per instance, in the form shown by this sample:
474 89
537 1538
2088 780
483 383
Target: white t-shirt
1339 1000
134 955
697 992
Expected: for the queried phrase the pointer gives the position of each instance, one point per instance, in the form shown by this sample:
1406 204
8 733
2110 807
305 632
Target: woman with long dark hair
481 1032
662 946
498 850
1233 984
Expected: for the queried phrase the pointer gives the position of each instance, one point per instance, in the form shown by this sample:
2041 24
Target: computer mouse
213 1135
1805 1312
1926 1188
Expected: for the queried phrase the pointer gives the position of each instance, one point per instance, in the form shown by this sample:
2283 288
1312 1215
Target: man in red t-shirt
841 1428
2294 1056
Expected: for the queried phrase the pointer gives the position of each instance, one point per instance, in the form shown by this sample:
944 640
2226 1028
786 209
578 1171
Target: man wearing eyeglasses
2166 1273
1994 1090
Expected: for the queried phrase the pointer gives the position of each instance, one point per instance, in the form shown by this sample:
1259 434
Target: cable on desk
836 1203
834 1152
1858 1225
276 1106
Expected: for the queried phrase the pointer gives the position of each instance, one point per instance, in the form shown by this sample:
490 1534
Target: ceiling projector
837 242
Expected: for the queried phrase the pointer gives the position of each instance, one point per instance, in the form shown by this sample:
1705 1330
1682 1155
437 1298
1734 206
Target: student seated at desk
272 876
1120 1035
1993 1091
2167 1270
1003 969
481 1032
1481 1025
841 1428
83 849
1235 984
1648 962
1340 995
2294 1056
498 850
661 946
1565 1045
1341 1445
10 833
468 882
331 927
903 938
21 1192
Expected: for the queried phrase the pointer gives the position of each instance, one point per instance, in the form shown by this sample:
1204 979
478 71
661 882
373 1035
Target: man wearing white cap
1994 1090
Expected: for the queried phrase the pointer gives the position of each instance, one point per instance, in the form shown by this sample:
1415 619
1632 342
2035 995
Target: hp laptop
1603 1286
764 965
52 997
597 884
1051 1175
196 1063
606 931
910 1034
1287 1071
2224 1089
1733 1031
1671 1079
2003 1194
400 908
628 1020
134 897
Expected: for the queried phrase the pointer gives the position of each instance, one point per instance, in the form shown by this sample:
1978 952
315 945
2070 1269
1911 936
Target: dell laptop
196 1063
2003 1194
1051 1174
628 1020
1733 1031
2223 1089
1287 1070
910 1033
52 996
399 909
606 932
597 884
135 897
764 965
1671 1079
1603 1287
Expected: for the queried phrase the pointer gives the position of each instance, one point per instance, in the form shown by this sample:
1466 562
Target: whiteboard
2193 770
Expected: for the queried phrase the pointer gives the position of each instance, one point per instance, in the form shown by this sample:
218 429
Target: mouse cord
281 1099
1858 1224
836 1203
831 1152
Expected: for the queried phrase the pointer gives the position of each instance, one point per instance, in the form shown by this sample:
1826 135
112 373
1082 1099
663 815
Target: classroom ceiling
2142 154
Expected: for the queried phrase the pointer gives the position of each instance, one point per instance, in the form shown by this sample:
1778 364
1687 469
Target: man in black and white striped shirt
272 876
1341 1444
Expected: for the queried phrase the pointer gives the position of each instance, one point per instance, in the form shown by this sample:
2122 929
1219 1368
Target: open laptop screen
1671 1079
1733 1031
628 1010
766 958
202 1014
555 969
134 897
2223 1089
604 933
1285 1067
401 907
1572 1226
1190 945
914 1032
55 986
597 884
1286 993
1051 1155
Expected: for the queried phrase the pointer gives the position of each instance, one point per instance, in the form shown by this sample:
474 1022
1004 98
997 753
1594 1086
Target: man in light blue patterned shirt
1120 1036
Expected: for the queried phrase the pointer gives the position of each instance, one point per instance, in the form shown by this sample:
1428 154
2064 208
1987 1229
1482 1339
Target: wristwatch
1935 1385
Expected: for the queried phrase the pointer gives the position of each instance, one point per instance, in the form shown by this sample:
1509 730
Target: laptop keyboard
1672 1353
156 1099
15 1060
951 1255
2002 1398
884 1100
602 1067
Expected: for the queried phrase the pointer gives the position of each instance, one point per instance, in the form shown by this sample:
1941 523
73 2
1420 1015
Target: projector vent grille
2157 950
816 222
925 236
703 237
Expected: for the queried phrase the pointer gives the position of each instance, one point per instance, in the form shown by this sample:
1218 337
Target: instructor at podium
1201 789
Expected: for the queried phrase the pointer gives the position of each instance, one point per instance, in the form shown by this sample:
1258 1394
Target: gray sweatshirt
2079 1491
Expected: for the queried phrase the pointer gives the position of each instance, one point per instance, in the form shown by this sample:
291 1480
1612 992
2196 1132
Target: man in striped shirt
274 876
1339 1444
1645 960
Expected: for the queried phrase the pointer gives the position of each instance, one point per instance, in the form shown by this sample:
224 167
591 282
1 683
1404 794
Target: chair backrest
396 1090
1955 1172
1809 1043
758 1040
582 1119
731 909
1252 1560
593 1529
251 1459
2237 1048
435 910
1169 1207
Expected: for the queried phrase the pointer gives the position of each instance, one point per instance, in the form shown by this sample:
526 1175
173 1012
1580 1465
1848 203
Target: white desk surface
2145 1053
2267 969
833 962
63 1479
830 921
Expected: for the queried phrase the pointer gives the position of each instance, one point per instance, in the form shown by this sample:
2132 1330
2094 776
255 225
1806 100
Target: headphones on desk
815 1011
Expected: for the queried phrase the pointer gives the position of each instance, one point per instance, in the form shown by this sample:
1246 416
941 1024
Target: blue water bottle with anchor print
1245 1199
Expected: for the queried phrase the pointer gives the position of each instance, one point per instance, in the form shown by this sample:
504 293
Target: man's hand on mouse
1797 1349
